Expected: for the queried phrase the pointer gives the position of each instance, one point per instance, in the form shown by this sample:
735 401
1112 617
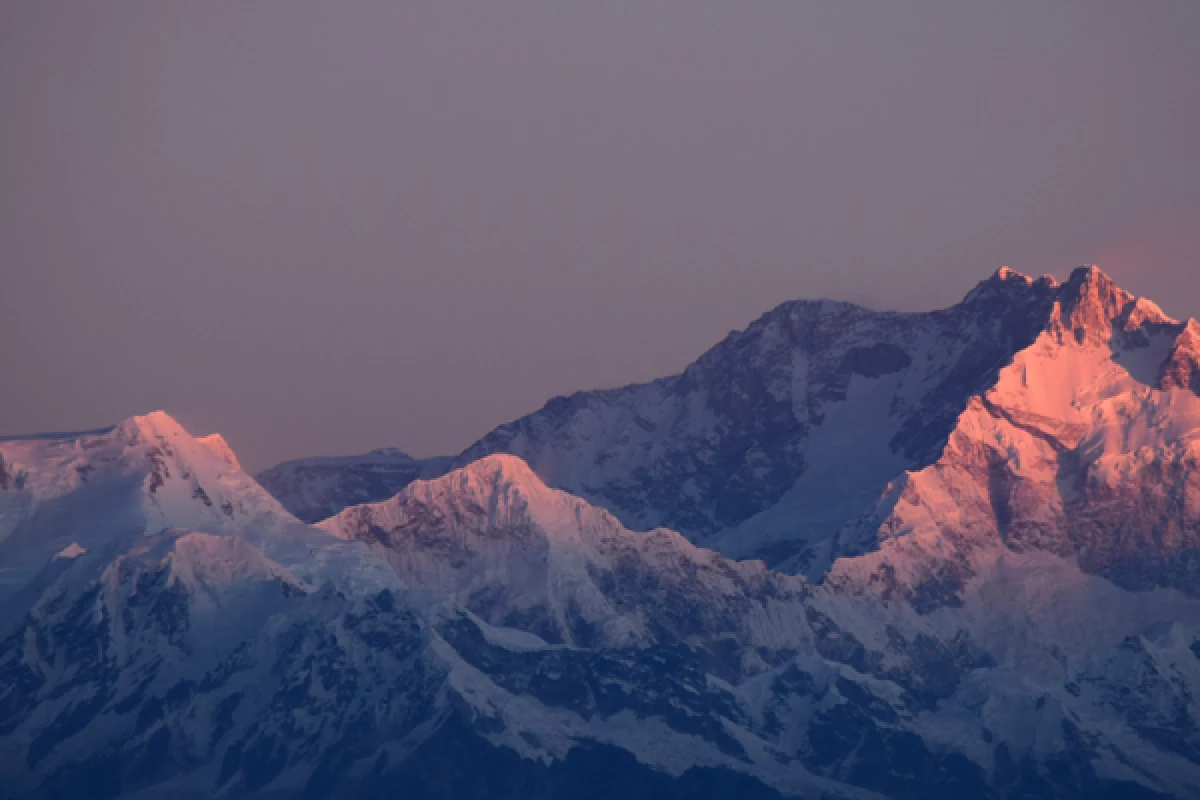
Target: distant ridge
18 437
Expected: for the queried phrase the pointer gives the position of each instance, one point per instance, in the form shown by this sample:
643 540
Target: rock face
1007 607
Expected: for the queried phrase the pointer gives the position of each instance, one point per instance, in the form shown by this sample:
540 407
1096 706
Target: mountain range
845 554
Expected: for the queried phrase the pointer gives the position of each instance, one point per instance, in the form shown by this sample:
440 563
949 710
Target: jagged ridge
776 441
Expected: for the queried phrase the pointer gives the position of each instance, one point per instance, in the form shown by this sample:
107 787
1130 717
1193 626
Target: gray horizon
320 230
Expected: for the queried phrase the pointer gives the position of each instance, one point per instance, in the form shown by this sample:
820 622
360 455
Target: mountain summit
776 441
141 475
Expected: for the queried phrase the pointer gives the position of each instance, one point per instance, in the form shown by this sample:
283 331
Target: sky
321 228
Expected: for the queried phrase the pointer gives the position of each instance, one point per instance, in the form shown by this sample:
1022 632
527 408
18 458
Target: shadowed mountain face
483 634
1001 500
775 442
317 488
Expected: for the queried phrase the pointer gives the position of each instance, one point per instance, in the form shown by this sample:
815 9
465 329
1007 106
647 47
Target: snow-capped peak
781 435
1009 274
217 444
1007 285
494 537
501 473
152 424
1091 307
499 489
141 476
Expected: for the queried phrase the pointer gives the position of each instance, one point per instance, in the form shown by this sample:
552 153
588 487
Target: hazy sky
324 227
